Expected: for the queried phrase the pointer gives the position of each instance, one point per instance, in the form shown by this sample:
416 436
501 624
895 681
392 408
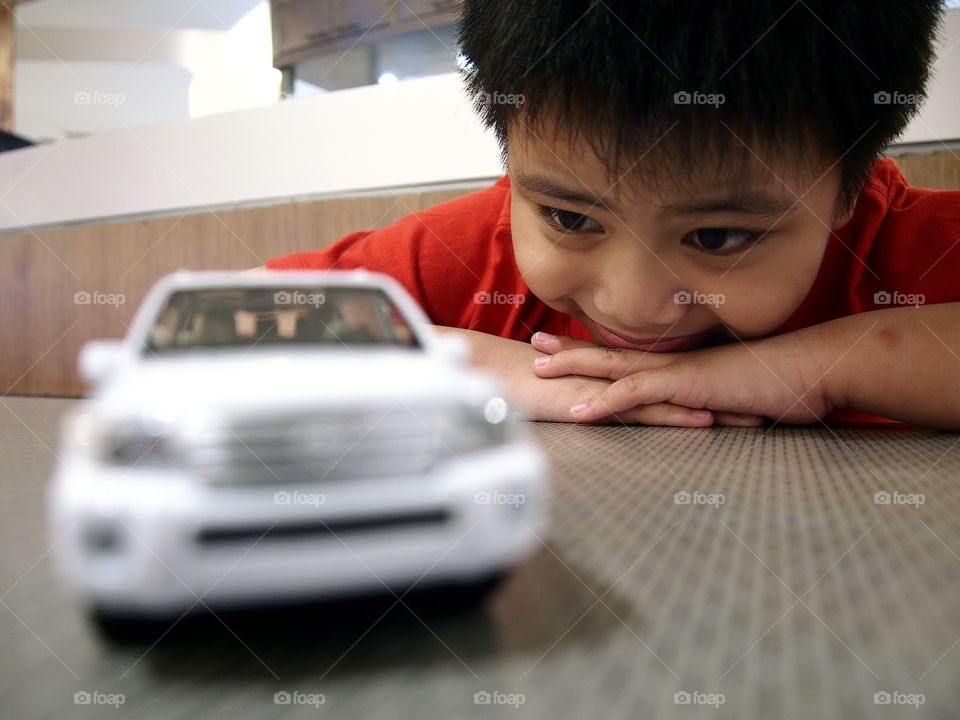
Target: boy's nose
640 303
640 317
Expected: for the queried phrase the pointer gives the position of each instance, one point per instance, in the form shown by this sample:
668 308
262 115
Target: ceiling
168 14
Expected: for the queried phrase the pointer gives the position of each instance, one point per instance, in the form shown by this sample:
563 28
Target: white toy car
270 436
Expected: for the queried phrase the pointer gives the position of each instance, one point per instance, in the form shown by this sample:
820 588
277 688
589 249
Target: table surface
800 595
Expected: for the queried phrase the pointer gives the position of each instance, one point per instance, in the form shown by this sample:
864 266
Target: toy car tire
125 628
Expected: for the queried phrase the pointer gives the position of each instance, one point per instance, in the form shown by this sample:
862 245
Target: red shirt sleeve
456 260
915 254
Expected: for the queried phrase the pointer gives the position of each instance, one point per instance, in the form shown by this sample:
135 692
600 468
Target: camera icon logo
281 698
82 298
681 697
281 498
281 298
881 498
882 98
681 498
682 297
682 98
882 298
881 698
481 498
481 697
81 698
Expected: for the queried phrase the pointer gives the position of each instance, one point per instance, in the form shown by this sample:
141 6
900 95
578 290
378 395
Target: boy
695 227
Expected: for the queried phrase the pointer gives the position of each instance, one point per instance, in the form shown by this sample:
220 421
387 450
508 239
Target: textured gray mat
784 584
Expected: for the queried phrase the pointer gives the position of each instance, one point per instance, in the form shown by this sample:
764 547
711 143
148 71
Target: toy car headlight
126 441
482 425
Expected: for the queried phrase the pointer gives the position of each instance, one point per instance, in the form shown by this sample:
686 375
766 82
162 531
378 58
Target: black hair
815 78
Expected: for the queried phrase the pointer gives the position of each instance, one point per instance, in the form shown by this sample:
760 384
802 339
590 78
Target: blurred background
144 136
182 59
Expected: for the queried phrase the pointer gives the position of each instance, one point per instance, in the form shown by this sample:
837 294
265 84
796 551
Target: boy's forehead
655 173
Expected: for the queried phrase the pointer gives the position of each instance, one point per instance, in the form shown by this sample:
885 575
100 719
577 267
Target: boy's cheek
544 266
757 311
756 304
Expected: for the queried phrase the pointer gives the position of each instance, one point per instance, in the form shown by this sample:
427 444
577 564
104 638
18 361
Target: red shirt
453 256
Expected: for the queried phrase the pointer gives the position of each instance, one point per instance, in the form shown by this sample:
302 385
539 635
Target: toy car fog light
102 538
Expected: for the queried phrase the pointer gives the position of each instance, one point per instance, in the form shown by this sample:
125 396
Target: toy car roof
185 279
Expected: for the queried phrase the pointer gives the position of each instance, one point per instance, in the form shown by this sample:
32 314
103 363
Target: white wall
79 98
414 133
939 119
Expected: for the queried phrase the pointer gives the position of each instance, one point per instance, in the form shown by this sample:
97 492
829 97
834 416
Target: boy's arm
905 367
900 363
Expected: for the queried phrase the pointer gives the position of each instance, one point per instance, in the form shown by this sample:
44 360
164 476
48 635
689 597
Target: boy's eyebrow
542 185
749 202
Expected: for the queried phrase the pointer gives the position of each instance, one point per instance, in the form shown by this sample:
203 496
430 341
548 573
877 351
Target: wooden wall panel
939 170
41 326
7 61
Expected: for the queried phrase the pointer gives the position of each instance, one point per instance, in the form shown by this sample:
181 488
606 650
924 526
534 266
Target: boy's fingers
647 388
546 343
678 416
661 414
738 420
599 362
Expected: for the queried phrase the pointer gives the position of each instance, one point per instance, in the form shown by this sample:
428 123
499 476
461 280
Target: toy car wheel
477 589
125 628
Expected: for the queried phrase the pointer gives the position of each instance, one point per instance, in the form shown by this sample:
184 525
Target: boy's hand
550 399
781 377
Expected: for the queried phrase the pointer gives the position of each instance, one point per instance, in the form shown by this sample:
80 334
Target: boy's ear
843 214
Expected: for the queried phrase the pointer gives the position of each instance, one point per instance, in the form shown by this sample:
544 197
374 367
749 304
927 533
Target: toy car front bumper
159 540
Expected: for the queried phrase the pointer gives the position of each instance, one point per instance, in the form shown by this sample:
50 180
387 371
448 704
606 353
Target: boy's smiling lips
666 344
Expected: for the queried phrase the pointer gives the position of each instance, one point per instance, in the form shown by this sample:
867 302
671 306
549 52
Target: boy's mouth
670 344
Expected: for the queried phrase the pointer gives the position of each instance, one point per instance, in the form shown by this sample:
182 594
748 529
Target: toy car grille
339 446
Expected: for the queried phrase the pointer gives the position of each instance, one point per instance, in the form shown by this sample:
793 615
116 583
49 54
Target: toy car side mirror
454 349
98 358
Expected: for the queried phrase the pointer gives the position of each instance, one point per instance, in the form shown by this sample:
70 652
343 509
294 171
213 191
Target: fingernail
702 414
542 337
578 408
542 360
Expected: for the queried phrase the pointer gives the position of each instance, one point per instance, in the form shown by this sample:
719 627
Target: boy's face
699 257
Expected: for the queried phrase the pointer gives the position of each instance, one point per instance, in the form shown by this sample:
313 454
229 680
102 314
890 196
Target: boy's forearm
509 360
901 363
490 352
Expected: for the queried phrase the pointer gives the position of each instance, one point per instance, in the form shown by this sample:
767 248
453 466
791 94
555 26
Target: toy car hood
272 382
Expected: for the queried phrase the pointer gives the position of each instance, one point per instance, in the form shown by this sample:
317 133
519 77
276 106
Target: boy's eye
720 241
568 221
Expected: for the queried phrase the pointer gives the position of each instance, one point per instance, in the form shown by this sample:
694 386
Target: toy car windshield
268 317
